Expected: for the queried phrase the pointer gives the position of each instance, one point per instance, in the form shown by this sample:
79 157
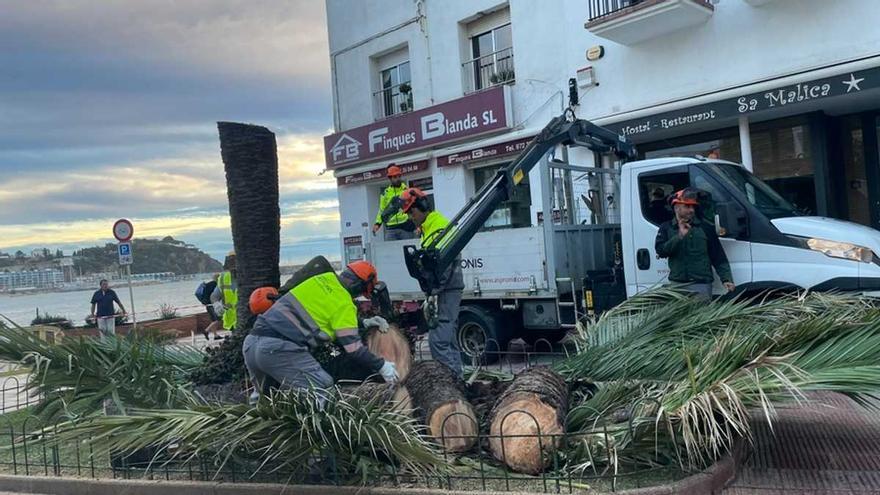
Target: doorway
858 181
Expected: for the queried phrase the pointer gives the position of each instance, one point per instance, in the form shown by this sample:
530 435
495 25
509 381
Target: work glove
377 321
429 310
389 372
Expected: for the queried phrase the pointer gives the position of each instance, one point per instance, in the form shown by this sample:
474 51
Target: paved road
831 446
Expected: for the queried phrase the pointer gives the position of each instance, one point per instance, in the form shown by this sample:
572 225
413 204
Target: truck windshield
759 194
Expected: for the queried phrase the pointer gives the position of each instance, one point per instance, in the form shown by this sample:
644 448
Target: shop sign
354 240
484 153
472 115
783 96
425 183
380 173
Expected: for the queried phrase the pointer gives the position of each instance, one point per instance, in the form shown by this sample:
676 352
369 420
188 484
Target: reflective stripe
340 334
308 323
349 348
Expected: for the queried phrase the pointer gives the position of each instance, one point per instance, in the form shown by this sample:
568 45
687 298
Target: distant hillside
150 256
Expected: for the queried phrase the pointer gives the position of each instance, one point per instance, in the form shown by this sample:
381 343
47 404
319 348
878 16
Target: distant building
26 279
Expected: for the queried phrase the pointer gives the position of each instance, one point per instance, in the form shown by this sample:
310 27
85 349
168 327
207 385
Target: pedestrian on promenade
105 317
692 247
227 292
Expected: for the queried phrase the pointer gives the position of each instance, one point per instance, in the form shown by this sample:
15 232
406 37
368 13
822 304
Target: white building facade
450 90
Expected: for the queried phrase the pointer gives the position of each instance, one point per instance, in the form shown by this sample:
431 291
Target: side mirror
731 220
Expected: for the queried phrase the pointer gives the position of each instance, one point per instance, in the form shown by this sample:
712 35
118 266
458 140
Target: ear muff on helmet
362 277
262 299
415 197
686 196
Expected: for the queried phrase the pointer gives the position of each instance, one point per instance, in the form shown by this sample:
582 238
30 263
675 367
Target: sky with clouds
109 110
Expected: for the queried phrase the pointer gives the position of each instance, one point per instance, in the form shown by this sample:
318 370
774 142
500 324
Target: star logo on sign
853 83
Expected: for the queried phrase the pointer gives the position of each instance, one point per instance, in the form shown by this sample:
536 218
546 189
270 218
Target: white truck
596 248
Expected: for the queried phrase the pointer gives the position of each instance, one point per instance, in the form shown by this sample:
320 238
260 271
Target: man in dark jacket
692 247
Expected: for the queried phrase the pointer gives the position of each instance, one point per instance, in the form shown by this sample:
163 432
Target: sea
22 308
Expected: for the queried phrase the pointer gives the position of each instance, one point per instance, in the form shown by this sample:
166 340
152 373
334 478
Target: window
655 188
396 94
781 158
512 213
759 194
491 58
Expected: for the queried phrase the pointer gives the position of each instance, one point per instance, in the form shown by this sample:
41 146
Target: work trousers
700 290
278 362
443 339
107 326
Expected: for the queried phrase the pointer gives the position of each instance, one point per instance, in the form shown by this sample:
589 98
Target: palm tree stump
250 159
528 420
391 346
438 395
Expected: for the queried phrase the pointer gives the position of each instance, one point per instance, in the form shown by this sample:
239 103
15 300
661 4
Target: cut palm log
528 419
438 395
392 346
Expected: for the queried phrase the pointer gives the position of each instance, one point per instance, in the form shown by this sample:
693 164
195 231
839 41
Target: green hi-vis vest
230 300
435 224
389 194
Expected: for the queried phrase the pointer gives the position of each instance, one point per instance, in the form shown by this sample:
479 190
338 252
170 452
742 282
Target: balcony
489 70
629 22
392 101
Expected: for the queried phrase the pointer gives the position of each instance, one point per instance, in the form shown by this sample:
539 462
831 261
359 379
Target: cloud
84 80
109 110
177 197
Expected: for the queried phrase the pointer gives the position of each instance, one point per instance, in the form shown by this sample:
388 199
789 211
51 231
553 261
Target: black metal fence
29 446
602 8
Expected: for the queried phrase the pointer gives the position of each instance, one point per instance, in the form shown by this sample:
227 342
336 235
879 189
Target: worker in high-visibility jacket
315 312
442 339
228 288
397 225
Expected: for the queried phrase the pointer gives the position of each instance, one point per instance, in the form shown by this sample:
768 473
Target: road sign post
123 230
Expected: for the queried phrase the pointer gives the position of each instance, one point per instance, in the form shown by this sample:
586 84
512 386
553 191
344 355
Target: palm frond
76 376
279 434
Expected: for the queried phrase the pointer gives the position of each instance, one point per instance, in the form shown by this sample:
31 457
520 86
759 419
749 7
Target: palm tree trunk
251 161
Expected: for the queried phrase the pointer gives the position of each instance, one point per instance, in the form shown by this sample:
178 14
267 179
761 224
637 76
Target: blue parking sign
124 249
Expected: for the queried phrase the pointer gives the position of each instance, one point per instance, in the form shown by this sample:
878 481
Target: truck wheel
541 339
480 336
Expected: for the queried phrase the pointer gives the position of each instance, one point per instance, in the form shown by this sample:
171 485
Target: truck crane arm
428 264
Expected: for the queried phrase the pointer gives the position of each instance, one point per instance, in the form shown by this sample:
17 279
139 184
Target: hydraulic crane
427 264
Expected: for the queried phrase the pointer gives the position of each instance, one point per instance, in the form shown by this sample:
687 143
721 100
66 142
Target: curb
710 481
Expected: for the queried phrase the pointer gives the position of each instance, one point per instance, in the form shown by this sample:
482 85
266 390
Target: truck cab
768 242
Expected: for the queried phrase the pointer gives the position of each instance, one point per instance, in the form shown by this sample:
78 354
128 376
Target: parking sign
125 257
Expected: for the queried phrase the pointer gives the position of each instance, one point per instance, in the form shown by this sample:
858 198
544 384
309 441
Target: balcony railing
393 101
489 70
630 22
601 8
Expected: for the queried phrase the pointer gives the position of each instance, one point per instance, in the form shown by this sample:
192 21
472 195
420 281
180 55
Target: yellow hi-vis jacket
317 311
388 194
230 299
434 227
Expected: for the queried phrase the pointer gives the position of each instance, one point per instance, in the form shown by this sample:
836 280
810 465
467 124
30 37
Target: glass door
858 206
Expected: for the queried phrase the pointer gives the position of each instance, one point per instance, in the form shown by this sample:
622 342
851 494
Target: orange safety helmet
366 272
394 171
686 196
262 299
410 197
